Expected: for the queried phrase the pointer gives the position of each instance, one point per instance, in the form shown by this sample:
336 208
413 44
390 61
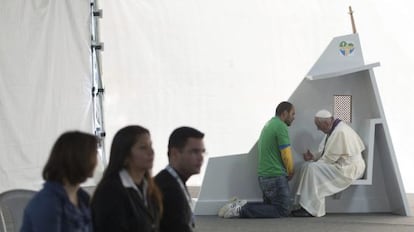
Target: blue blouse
51 211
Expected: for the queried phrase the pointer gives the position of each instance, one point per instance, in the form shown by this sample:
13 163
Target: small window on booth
343 107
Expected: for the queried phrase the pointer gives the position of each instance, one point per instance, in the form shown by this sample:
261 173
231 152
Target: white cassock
341 163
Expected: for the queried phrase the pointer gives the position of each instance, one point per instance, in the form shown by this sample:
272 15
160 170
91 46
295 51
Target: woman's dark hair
71 158
121 147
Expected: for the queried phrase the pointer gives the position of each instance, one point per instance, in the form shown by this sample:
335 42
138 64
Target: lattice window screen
343 107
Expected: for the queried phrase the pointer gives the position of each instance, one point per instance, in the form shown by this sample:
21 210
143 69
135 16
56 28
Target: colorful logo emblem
346 48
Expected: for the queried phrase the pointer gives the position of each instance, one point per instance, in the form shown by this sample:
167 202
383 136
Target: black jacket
177 216
119 209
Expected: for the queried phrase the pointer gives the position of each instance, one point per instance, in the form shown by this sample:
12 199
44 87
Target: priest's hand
307 156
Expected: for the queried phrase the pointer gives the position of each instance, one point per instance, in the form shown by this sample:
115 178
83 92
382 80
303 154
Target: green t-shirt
274 137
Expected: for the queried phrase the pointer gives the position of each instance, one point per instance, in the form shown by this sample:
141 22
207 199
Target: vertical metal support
97 84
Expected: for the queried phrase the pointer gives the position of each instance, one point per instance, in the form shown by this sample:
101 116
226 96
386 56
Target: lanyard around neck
182 186
184 190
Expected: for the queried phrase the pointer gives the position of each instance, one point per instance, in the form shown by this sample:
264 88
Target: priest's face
322 125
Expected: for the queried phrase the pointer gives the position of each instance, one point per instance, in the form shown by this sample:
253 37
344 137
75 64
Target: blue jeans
277 199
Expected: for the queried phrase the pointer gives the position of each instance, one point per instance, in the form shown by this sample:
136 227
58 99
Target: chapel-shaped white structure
341 82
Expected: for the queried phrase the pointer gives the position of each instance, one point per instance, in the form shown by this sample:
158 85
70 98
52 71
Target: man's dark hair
71 158
178 138
282 107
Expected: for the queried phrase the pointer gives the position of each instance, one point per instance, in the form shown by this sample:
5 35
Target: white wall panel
45 84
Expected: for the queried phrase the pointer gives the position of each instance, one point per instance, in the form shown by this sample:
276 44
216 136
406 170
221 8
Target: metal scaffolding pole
96 74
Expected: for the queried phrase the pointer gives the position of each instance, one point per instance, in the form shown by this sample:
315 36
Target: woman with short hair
62 205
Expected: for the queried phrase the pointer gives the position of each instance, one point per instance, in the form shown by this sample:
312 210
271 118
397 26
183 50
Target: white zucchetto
323 114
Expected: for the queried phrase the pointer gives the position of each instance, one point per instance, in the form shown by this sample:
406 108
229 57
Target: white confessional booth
341 82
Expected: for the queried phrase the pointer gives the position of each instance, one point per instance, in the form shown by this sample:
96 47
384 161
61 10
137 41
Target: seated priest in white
330 170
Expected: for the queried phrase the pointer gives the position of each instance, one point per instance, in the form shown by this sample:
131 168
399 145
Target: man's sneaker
234 209
225 207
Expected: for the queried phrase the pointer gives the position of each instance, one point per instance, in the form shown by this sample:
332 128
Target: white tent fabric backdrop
223 65
45 83
218 65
